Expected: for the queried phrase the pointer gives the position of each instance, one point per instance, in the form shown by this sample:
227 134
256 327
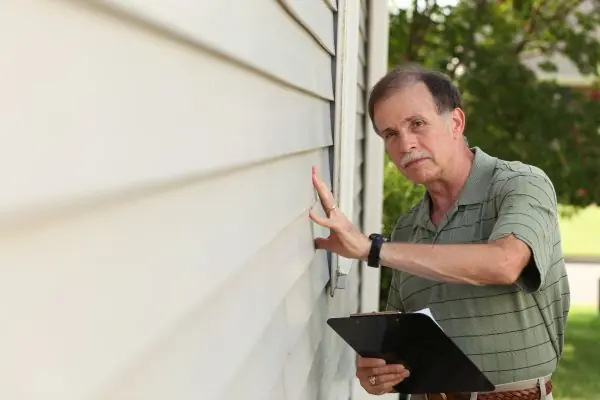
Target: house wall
374 32
154 231
361 100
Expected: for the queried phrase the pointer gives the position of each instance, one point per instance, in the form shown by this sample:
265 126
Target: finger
381 379
385 387
324 222
393 369
378 389
322 243
364 362
386 383
326 197
387 378
389 369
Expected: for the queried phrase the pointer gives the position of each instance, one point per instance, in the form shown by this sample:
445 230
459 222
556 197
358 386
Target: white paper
427 312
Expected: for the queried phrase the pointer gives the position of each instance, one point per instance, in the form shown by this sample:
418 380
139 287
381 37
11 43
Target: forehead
403 104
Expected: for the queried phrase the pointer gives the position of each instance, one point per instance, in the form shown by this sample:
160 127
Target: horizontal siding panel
298 366
127 127
267 357
358 191
358 180
362 53
360 129
358 172
258 33
358 185
159 244
278 391
357 217
360 151
303 294
317 18
360 101
360 117
363 22
332 348
345 368
361 77
301 300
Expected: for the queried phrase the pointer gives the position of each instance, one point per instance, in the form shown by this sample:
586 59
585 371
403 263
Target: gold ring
373 380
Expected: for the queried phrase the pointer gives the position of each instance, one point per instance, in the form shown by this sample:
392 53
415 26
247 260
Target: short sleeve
527 210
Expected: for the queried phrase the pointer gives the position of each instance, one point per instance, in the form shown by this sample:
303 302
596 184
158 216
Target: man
482 249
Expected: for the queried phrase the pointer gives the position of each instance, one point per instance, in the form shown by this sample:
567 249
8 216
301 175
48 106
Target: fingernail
406 373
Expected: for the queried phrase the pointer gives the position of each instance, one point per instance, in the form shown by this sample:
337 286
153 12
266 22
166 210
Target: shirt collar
475 190
482 170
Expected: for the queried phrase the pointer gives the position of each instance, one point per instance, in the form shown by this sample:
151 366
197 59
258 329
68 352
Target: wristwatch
377 241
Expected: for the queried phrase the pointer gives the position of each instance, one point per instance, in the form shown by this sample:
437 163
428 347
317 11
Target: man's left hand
344 238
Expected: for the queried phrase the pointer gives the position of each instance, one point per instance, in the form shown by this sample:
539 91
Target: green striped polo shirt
511 333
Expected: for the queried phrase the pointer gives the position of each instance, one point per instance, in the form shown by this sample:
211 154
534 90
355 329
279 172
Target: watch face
373 236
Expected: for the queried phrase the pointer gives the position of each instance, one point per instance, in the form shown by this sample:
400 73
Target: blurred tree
400 195
511 114
481 43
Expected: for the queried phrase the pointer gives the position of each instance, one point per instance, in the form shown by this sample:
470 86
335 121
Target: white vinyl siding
376 26
154 228
361 114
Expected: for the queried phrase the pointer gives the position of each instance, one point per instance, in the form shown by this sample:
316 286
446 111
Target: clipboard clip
375 313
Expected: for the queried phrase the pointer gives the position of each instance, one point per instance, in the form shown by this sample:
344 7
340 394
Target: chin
420 177
419 180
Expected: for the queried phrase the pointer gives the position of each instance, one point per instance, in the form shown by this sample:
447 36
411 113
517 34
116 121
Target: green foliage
400 195
510 113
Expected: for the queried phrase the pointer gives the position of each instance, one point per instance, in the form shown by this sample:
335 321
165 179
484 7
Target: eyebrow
413 118
410 118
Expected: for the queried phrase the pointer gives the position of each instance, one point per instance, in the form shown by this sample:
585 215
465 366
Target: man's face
420 142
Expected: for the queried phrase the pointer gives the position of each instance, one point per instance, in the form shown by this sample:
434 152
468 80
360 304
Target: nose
406 142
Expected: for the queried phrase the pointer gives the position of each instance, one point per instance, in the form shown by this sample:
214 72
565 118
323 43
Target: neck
445 191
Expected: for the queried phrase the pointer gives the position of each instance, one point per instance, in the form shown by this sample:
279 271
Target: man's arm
519 249
499 262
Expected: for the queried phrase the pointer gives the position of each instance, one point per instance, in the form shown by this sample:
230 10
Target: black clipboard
435 362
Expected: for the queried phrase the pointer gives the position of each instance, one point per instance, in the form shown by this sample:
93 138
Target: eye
389 134
418 123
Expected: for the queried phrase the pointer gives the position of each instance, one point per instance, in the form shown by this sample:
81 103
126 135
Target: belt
525 394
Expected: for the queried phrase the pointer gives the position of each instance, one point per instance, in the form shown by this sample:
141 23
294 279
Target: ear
457 122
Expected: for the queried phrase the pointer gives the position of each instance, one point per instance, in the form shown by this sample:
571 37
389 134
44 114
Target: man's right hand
377 377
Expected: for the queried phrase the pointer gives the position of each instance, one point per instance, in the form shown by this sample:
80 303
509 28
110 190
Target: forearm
475 264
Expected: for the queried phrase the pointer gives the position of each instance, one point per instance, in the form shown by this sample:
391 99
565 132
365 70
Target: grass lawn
578 375
581 233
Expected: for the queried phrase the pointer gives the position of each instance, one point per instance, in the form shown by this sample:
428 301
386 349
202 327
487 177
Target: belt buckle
442 395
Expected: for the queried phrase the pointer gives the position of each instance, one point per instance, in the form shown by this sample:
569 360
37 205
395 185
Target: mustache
413 156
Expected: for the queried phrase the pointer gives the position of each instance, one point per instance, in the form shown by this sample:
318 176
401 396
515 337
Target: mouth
414 163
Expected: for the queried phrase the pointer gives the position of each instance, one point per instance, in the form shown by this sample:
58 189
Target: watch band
377 241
